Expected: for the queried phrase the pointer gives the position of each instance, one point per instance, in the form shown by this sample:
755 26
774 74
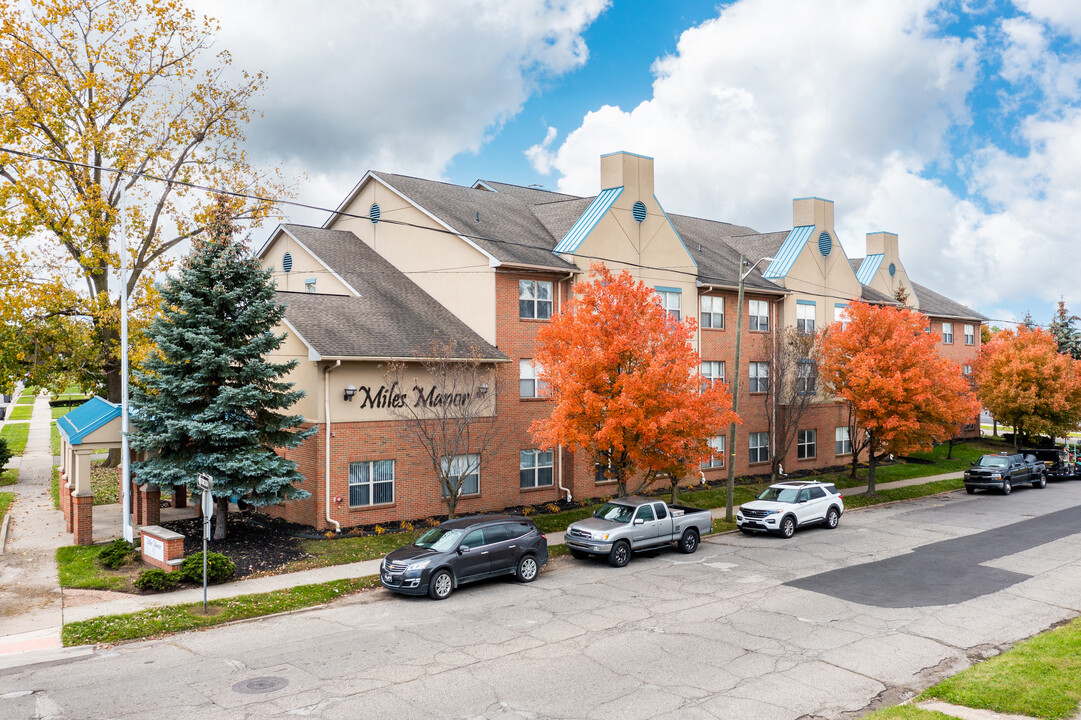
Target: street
757 627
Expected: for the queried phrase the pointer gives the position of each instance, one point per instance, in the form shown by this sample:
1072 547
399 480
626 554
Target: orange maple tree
1022 379
624 383
901 392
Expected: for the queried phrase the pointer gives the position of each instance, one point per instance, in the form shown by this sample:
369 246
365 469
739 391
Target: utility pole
125 423
730 451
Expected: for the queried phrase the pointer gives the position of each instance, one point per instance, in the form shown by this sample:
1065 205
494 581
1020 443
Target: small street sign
206 483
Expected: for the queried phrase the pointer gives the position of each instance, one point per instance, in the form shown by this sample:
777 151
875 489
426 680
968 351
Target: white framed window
840 314
759 377
716 459
712 373
529 385
758 315
947 333
371 482
671 300
806 444
805 316
966 369
534 299
464 468
759 447
806 377
535 468
712 312
843 441
970 334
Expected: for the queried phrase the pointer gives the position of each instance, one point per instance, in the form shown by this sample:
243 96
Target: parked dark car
1003 472
465 550
1057 462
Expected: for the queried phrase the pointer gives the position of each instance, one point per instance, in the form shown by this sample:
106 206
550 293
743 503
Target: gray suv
465 550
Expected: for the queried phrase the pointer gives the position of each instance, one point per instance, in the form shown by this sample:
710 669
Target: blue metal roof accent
661 288
825 243
85 419
868 268
815 197
638 210
805 302
840 305
790 250
624 152
585 224
678 236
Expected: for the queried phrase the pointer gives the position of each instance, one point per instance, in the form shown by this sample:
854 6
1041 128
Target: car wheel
620 554
832 518
441 585
970 490
788 526
1007 488
579 555
527 569
1042 482
689 542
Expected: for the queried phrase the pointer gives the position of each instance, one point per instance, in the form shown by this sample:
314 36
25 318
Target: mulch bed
254 546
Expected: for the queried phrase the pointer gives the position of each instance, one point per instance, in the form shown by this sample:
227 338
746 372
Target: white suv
783 507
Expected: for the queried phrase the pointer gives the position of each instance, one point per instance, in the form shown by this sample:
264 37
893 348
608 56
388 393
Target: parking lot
820 625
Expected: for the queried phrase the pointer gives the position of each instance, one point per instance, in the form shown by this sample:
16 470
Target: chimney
884 243
630 171
813 211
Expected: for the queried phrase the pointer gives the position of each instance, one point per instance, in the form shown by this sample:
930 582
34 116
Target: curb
4 532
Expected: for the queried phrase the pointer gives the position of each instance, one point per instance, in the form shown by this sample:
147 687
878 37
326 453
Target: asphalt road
759 627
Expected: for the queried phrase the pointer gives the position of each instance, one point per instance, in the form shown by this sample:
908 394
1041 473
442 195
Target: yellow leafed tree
131 85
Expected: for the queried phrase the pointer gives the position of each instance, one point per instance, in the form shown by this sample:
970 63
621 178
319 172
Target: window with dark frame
534 299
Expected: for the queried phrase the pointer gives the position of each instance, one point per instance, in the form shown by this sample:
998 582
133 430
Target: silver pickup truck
633 523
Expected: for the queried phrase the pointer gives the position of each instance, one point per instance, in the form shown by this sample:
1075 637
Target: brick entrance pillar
65 503
148 505
180 496
82 511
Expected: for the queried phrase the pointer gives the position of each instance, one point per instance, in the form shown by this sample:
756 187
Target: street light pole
731 449
125 449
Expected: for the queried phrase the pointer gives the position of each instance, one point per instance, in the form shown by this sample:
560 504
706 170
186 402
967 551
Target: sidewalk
31 608
13 654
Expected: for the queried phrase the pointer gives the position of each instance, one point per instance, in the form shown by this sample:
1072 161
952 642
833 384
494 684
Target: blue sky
956 124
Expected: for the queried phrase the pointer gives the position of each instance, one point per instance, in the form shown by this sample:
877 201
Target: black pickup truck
1056 461
1002 472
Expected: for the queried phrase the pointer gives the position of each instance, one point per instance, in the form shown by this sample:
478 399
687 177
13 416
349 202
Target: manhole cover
260 685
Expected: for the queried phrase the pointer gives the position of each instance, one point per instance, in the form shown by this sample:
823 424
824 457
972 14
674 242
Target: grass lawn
54 440
78 568
59 412
9 477
26 399
1040 677
21 412
907 712
15 434
348 550
6 499
54 488
177 618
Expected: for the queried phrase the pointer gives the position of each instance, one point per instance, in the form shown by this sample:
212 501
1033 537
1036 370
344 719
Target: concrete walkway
86 604
31 606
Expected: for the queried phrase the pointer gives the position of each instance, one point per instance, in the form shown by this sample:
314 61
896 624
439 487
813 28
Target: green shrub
219 568
155 580
5 452
116 553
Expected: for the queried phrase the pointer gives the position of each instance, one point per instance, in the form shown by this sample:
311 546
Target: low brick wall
162 548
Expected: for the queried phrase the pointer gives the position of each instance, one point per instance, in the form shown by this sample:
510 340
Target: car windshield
989 461
615 513
439 539
779 494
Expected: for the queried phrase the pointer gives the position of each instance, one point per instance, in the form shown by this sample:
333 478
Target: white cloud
1064 15
540 156
859 102
366 84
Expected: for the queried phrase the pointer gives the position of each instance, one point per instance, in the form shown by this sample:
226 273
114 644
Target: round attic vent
287 262
638 210
374 213
893 269
825 243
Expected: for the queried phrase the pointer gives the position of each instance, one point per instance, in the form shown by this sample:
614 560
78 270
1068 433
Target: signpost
206 484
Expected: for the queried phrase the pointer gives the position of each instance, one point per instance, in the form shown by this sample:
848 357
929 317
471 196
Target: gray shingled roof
933 303
717 261
870 295
392 318
558 217
528 195
500 223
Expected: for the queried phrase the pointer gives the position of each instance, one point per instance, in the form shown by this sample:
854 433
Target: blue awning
85 419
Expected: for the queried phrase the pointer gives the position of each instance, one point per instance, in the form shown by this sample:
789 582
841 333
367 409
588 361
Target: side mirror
639 521
973 463
462 549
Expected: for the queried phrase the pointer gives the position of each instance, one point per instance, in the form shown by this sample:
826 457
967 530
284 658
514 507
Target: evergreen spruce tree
208 400
1065 333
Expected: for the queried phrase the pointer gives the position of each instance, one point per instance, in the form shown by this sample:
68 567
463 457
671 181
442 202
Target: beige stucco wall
305 266
424 256
305 376
628 245
887 244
